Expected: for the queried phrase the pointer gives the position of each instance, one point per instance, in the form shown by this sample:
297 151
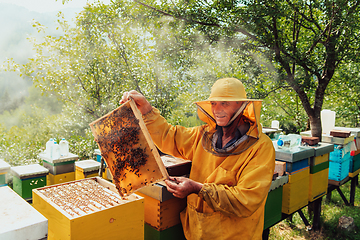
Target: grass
331 211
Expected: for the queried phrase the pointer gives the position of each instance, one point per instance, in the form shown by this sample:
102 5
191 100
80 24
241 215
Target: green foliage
305 41
344 95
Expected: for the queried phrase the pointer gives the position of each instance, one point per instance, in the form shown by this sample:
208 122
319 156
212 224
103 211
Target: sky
42 6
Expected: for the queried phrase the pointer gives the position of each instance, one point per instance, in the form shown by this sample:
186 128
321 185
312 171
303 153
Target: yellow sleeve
177 141
251 189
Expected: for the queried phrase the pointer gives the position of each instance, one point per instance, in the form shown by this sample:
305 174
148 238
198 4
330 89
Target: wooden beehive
90 209
128 149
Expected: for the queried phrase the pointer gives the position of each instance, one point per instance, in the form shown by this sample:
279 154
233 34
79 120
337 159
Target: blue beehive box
339 164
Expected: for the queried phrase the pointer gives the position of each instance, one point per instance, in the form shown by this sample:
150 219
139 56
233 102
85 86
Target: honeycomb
128 150
82 197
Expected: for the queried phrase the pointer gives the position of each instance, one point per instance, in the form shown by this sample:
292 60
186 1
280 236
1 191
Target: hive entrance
127 148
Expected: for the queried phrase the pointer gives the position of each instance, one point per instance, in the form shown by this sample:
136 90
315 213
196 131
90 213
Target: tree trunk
315 124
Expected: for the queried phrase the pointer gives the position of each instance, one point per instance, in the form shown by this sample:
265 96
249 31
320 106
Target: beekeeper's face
223 111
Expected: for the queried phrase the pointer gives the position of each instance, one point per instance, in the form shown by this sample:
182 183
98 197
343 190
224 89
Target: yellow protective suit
231 203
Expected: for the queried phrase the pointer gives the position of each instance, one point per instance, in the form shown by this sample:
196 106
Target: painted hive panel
128 149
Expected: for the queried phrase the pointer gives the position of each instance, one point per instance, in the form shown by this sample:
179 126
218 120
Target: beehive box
296 159
26 178
60 165
86 169
354 162
4 169
162 209
106 172
52 179
273 205
319 170
331 139
128 149
355 132
339 162
90 209
174 233
295 192
19 220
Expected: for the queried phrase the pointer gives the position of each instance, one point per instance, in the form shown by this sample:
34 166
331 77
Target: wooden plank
128 149
340 133
310 140
280 168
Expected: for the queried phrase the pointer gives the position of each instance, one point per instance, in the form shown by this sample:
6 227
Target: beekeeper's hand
181 187
141 102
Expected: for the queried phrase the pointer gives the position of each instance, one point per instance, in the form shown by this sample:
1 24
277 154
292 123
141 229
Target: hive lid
4 166
29 170
293 155
19 218
330 139
97 151
128 149
69 157
322 148
354 131
88 165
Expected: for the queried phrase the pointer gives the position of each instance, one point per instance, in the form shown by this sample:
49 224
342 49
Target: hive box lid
322 148
88 165
29 170
354 131
97 151
293 155
330 139
278 182
69 157
4 166
271 130
19 220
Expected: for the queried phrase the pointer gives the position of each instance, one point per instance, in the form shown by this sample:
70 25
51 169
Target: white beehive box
19 220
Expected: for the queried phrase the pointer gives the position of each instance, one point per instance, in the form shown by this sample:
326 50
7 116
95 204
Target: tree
89 66
344 92
307 41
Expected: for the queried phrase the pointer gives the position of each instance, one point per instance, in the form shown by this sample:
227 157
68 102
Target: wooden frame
128 149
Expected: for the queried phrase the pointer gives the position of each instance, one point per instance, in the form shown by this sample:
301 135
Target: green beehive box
173 233
273 207
26 178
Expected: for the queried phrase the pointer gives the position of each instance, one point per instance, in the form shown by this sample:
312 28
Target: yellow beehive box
86 168
59 178
354 174
319 159
90 209
295 192
318 184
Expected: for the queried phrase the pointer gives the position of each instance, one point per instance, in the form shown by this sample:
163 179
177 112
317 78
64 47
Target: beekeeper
232 163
